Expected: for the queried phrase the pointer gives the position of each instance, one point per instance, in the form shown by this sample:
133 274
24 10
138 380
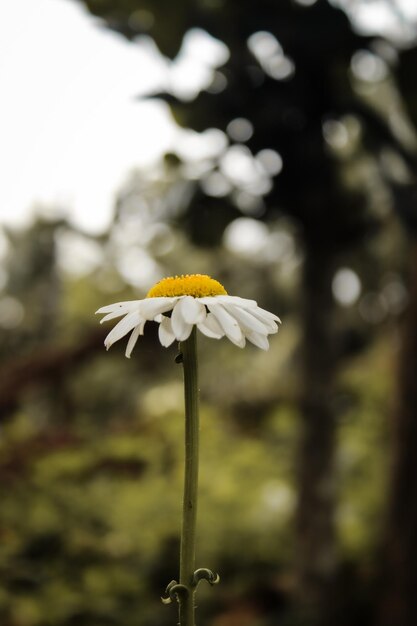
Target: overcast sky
71 127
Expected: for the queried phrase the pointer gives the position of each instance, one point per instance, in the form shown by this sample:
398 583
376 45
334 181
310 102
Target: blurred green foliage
90 507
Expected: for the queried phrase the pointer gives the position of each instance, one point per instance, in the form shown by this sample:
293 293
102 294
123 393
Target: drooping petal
241 343
242 302
181 328
267 314
247 321
165 333
270 324
228 323
258 339
211 327
123 307
118 313
192 310
151 307
122 328
137 331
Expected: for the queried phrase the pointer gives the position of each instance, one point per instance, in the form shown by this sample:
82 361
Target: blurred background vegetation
306 201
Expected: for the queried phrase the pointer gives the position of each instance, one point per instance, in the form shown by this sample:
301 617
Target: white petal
165 332
229 324
208 299
267 314
138 330
118 313
123 307
241 343
122 328
258 339
247 321
242 302
211 327
193 311
181 328
269 320
151 307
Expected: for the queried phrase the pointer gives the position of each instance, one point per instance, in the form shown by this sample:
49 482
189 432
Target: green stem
189 511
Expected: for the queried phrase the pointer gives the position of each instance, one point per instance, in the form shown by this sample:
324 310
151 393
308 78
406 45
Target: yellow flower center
196 285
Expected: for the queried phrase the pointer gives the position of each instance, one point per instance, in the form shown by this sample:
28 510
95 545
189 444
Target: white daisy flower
179 303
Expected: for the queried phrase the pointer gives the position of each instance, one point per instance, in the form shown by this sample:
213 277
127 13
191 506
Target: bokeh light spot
346 286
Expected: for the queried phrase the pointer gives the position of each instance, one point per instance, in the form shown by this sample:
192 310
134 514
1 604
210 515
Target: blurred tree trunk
399 605
316 558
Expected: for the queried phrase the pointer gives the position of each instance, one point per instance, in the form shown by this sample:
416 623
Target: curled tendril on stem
174 592
205 574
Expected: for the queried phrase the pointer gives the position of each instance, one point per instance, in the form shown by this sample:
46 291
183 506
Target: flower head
179 303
